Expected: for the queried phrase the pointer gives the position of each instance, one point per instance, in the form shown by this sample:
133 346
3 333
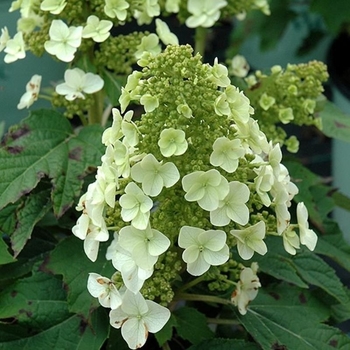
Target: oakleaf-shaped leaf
291 319
44 144
76 271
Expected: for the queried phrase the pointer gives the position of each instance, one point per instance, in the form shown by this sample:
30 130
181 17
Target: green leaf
336 248
278 263
291 319
76 271
38 301
224 344
113 85
33 210
192 325
5 256
73 333
336 124
317 272
166 332
341 200
44 144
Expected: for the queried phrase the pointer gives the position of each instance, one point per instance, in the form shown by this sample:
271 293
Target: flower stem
96 110
222 321
201 297
200 40
190 284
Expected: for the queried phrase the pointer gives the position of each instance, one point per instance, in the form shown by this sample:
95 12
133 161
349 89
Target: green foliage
286 316
43 149
224 344
192 325
75 274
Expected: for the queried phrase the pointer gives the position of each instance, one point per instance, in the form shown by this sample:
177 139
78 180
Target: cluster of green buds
287 96
193 175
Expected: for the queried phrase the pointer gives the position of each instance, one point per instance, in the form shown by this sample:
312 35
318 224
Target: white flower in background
226 153
202 249
32 92
148 10
149 44
14 48
53 6
285 115
97 30
220 74
251 135
264 182
239 104
137 317
185 110
4 38
28 24
91 234
207 188
136 206
263 6
104 289
149 102
64 40
172 6
77 82
172 142
232 207
291 241
204 13
221 105
247 288
133 275
164 33
250 240
131 90
307 236
116 9
144 245
266 101
154 175
26 7
121 126
239 66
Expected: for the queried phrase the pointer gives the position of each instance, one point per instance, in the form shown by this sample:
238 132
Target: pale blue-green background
14 76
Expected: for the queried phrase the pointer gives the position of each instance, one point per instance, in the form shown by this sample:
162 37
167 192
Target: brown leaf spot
82 326
14 149
13 293
75 154
277 346
28 313
275 295
340 125
333 343
302 298
19 132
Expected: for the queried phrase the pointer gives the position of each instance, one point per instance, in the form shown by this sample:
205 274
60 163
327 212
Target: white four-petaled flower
172 142
77 82
202 248
14 47
233 206
308 237
144 245
154 175
207 188
64 40
32 92
250 240
204 13
136 206
96 29
104 289
137 317
53 6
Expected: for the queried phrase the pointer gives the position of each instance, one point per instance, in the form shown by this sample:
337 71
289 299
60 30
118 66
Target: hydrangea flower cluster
194 177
